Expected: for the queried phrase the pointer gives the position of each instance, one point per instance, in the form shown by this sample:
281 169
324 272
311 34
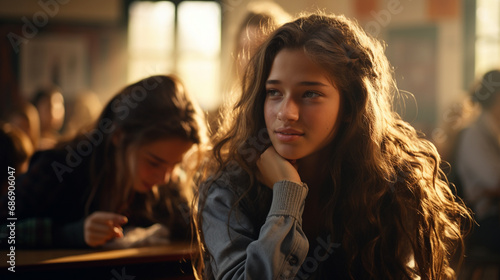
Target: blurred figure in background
15 151
458 116
85 109
260 20
89 191
478 162
25 116
50 105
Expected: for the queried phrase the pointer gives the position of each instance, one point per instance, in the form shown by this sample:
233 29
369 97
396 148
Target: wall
87 11
101 22
82 41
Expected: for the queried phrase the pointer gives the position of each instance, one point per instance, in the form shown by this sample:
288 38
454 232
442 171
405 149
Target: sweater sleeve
280 247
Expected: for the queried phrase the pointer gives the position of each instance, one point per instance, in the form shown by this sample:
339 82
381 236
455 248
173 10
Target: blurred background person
88 191
457 118
260 20
15 151
50 105
478 162
25 116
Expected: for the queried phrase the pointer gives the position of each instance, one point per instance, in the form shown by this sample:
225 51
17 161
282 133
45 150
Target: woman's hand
274 168
100 227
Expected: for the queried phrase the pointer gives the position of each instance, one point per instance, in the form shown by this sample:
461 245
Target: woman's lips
288 134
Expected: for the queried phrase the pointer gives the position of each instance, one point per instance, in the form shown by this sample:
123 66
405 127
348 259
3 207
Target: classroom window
487 54
182 39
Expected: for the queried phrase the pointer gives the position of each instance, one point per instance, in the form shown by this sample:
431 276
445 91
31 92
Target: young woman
82 193
315 177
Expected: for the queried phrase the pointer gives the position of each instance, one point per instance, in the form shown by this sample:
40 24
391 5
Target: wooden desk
160 262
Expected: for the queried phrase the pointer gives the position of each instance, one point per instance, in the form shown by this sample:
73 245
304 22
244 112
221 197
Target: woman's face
301 106
155 162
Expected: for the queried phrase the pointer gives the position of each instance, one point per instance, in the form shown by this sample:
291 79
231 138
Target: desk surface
93 257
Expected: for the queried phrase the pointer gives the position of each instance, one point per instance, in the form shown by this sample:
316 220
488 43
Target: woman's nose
289 110
167 174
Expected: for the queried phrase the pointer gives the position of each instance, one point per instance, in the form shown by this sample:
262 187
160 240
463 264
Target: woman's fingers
118 231
102 226
100 235
98 238
274 168
116 219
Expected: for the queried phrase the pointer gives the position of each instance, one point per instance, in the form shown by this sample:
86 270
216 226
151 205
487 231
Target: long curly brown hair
388 201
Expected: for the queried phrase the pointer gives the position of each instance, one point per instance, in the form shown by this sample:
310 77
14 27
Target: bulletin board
54 60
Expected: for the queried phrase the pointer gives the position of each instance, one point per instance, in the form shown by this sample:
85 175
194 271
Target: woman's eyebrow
273 82
303 83
156 157
311 83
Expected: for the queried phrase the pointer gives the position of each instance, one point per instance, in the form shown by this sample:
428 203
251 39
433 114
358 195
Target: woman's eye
272 92
153 163
311 94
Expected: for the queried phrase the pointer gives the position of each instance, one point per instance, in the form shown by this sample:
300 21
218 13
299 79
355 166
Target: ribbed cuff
288 199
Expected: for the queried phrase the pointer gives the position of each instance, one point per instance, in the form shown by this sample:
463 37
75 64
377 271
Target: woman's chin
143 188
289 156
